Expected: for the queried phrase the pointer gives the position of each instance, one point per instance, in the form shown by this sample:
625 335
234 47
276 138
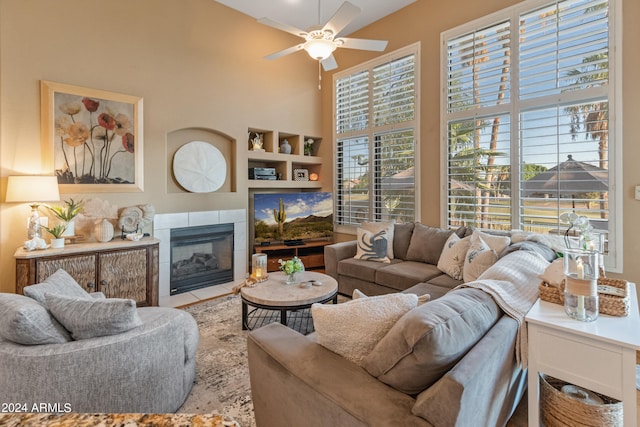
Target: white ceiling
304 13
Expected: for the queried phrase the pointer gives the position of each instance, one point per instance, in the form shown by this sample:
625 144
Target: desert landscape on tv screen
293 216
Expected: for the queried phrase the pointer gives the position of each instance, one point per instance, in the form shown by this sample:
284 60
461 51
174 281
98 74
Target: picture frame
92 139
301 175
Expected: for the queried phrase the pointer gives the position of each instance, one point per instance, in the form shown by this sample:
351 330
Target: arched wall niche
179 137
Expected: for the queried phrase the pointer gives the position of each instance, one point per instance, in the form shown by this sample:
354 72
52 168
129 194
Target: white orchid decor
581 224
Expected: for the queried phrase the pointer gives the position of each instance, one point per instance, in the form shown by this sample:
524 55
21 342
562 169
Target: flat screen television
292 218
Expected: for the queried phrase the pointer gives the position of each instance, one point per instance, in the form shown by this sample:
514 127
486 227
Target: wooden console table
119 268
599 356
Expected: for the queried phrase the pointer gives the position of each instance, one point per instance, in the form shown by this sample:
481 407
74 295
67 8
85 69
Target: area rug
222 375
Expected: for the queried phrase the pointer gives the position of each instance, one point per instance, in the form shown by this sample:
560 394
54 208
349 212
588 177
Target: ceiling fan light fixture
319 49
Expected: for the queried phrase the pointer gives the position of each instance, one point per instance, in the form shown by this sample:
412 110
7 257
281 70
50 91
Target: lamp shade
32 188
319 49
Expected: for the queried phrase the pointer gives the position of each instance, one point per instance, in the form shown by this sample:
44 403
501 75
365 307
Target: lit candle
258 273
580 269
580 309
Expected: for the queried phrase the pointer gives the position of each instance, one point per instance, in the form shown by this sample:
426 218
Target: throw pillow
427 243
554 273
90 317
479 257
353 328
357 293
375 241
451 260
59 283
25 321
496 242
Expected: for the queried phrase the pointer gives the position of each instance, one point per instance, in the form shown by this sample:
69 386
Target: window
527 119
376 126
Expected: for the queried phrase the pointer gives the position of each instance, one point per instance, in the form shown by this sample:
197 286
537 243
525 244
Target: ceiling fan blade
342 18
284 52
329 63
364 44
284 27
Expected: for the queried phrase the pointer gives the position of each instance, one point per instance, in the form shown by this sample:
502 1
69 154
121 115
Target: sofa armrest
336 252
484 388
295 381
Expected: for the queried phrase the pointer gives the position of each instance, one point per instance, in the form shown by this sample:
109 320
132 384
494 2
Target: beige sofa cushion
427 243
403 275
353 328
430 339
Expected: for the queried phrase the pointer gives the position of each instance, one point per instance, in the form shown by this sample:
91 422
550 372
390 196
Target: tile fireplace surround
162 225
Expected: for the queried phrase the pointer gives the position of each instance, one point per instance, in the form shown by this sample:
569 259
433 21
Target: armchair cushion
89 318
27 322
59 283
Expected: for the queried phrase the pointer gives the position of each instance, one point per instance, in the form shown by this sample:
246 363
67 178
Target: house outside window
528 127
376 134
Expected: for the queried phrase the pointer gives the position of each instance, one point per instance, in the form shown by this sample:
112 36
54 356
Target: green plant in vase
57 233
290 268
67 213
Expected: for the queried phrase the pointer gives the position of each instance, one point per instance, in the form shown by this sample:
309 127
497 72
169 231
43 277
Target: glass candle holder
581 284
259 267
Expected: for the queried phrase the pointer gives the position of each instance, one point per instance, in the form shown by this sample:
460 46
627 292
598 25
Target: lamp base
33 229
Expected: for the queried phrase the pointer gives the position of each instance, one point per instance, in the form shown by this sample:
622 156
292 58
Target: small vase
103 231
285 148
57 243
292 278
70 230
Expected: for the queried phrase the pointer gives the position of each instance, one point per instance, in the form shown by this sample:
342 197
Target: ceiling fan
321 41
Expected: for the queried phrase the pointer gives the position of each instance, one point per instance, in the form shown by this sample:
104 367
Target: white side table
599 356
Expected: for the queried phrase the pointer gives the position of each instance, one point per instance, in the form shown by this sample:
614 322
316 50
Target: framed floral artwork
92 139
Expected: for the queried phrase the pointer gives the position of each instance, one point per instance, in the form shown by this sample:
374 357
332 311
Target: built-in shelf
284 164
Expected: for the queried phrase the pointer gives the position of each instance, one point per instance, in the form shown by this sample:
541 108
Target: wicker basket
560 409
613 295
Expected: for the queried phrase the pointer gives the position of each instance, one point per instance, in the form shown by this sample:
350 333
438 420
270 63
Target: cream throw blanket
513 283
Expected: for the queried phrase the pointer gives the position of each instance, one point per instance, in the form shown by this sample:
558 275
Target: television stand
296 242
311 253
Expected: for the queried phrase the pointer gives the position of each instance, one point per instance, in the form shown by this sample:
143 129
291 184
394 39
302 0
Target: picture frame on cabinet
301 175
92 139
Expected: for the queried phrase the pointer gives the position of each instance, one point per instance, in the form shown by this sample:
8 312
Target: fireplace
201 256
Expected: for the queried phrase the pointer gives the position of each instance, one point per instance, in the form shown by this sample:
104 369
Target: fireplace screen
200 257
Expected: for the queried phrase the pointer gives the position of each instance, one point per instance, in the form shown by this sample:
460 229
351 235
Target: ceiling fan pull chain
319 76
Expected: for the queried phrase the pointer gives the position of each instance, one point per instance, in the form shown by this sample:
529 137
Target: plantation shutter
375 134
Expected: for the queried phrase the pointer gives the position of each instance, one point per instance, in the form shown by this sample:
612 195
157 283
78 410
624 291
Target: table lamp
33 189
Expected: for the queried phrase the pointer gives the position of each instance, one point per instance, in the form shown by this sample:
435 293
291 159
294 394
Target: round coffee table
275 295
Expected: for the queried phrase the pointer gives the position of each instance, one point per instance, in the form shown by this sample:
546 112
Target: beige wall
423 21
197 65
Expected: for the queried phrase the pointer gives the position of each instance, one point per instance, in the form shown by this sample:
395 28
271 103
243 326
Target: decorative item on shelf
259 267
199 167
103 230
32 189
67 213
300 175
285 148
133 219
308 147
581 284
290 268
256 143
313 176
57 242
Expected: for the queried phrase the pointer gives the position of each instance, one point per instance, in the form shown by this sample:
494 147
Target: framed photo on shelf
301 175
91 138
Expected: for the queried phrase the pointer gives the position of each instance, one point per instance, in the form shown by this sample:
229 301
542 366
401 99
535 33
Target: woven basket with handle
613 295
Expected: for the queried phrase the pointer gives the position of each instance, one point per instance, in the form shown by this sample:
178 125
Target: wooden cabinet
311 254
119 269
284 164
